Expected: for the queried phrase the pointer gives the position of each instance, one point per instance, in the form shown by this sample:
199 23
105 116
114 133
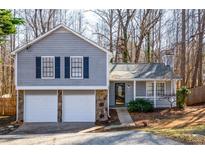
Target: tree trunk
198 62
183 48
200 50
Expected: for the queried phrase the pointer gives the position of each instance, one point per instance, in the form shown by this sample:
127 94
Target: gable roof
54 29
141 71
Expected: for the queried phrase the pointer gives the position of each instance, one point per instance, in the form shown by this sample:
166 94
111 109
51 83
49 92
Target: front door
119 94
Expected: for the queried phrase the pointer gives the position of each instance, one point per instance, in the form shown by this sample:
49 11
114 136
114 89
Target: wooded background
131 35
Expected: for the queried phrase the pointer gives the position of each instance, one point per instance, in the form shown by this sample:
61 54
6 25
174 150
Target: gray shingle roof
141 71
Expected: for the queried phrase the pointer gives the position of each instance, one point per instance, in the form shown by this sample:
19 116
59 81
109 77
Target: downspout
17 97
108 103
17 104
108 85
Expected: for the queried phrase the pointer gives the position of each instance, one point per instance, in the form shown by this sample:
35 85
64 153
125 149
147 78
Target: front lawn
187 125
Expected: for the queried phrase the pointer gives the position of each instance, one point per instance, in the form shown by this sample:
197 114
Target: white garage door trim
77 108
43 118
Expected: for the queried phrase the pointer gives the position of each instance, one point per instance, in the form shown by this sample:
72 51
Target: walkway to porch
124 116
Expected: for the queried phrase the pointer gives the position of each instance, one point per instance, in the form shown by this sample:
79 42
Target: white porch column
175 87
172 88
155 89
134 90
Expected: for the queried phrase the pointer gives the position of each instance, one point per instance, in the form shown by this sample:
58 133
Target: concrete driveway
51 128
72 134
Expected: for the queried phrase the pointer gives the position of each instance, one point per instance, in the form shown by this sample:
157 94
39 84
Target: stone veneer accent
20 105
101 106
59 105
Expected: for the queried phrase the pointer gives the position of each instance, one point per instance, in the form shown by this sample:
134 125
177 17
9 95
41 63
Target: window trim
42 67
147 88
71 67
165 91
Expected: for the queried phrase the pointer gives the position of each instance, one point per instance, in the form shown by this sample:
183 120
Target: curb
129 125
91 129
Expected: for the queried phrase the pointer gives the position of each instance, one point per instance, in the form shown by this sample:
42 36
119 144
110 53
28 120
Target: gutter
17 104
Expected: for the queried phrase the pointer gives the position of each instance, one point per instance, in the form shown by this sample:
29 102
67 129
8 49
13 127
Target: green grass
187 135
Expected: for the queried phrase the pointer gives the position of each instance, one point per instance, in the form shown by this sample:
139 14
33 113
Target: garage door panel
41 106
41 92
79 106
78 92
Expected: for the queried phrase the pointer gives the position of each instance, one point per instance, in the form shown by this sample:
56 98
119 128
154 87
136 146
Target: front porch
161 92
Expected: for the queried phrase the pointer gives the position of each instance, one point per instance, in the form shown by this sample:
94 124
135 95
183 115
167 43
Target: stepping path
124 117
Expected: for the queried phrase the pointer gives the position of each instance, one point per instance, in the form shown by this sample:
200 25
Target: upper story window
76 64
48 67
160 89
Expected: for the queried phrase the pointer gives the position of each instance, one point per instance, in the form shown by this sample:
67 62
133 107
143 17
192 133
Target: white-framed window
160 88
150 88
76 67
48 67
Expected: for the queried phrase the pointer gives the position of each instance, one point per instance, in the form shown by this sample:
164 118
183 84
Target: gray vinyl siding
168 87
140 88
140 91
128 92
162 103
62 44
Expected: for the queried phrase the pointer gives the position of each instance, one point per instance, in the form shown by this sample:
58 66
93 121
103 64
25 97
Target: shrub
140 105
182 93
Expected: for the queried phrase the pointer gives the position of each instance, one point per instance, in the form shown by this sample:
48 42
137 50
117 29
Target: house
64 77
155 81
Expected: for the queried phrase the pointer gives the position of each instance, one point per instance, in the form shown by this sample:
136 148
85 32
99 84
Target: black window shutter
67 67
85 67
38 67
57 67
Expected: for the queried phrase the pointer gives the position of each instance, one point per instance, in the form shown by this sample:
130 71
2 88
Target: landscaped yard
187 125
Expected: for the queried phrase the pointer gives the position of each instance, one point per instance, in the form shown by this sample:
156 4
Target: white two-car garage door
78 106
40 106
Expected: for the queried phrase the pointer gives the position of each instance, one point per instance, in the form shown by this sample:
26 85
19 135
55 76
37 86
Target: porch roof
141 71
